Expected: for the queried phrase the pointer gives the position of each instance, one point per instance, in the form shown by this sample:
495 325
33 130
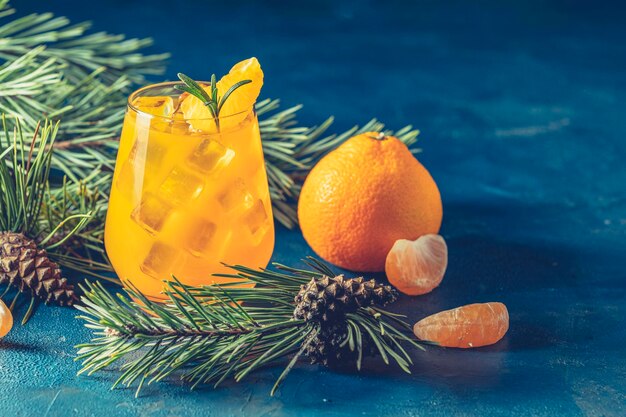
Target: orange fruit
469 326
417 267
362 197
237 106
6 319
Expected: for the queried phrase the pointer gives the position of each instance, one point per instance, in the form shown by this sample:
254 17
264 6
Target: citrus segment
362 197
238 104
6 319
244 97
417 267
473 325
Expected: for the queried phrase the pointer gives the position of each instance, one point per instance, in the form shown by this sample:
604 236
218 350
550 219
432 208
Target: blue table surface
521 108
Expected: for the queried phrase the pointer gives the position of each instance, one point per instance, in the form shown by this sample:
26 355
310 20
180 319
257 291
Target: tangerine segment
417 267
6 319
469 326
236 107
244 97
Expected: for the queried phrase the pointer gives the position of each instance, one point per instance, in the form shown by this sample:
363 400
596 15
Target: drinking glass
187 195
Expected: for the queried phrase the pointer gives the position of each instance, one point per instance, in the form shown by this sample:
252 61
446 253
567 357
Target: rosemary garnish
212 100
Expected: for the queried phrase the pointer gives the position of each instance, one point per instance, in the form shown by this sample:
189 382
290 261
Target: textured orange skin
473 325
362 197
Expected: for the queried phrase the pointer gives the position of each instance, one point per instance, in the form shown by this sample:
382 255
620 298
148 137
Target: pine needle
212 333
58 69
26 204
52 68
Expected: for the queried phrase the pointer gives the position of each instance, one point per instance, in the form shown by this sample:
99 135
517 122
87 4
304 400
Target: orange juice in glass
187 193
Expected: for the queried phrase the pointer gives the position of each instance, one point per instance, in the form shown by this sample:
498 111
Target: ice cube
175 125
256 218
157 106
151 213
160 261
181 187
236 196
153 154
179 127
210 156
145 155
170 126
202 238
178 124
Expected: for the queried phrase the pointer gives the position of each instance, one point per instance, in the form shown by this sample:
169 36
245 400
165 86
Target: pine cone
28 268
326 347
328 298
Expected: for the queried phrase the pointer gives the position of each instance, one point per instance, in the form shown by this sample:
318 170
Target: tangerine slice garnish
236 108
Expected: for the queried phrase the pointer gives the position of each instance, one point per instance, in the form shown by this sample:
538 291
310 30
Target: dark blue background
521 108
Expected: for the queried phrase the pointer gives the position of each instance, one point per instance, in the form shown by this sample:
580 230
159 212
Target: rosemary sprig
212 100
217 332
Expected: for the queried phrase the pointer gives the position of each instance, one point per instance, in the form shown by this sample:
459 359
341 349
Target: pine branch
81 53
57 70
32 220
83 250
24 171
50 68
292 150
217 332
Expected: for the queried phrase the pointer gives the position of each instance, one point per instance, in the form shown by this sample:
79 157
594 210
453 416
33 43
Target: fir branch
25 76
292 150
83 249
24 174
57 70
32 220
217 332
72 46
51 68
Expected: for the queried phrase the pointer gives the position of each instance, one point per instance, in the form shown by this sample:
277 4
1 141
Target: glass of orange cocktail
187 193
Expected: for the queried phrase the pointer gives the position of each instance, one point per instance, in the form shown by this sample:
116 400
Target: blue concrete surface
521 106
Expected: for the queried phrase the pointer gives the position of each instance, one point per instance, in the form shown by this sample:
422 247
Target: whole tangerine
362 197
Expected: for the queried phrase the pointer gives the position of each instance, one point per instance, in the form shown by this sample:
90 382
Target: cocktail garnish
211 99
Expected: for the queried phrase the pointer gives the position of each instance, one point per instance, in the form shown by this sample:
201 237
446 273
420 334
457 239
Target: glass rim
137 93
